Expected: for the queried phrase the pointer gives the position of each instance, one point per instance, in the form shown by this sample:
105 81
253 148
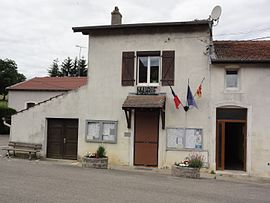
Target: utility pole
80 51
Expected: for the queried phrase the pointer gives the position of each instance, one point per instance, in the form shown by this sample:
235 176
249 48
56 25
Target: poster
93 131
184 138
176 138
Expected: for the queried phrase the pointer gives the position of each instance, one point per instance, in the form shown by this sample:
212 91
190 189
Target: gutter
216 61
5 123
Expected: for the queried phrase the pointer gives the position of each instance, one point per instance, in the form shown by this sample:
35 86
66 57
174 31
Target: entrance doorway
231 139
146 137
62 142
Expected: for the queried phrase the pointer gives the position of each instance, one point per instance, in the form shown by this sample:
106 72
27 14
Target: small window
101 131
148 70
231 78
30 104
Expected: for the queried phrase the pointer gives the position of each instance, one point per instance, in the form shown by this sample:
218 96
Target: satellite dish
216 12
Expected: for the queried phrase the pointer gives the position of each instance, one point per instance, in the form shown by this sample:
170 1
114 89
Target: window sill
148 85
232 90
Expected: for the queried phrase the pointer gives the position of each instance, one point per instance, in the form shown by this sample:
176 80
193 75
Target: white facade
103 97
18 99
252 94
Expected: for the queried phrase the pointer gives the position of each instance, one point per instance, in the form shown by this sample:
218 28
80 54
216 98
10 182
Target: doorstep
236 175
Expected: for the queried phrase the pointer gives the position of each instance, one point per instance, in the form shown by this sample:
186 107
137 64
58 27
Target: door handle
64 140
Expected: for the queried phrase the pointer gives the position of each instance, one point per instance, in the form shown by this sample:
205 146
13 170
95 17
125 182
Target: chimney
116 16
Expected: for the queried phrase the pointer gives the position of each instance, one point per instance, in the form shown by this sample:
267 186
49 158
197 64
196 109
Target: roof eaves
87 29
14 86
215 61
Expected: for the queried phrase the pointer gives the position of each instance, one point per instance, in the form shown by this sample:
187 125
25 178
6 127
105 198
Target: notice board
184 138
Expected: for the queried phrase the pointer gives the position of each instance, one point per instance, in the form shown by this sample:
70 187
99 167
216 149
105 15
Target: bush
195 161
6 113
101 152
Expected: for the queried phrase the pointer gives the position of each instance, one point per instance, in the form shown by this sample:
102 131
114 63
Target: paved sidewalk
65 181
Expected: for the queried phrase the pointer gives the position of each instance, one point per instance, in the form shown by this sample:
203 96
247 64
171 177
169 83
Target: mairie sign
146 90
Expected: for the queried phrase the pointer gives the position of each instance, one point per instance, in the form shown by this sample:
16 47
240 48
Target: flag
190 98
198 93
176 100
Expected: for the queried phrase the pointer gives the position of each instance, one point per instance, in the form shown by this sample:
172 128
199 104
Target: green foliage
101 152
6 113
212 172
66 67
3 104
9 75
82 64
54 69
195 161
69 68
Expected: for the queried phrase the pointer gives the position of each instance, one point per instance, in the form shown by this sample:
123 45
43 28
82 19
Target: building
128 105
240 77
28 93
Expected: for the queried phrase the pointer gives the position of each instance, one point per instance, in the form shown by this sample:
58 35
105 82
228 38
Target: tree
82 67
74 70
54 69
9 75
67 67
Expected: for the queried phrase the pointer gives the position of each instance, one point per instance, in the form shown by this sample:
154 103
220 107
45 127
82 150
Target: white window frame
148 72
232 68
101 123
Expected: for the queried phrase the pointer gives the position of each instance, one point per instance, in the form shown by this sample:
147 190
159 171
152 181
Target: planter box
95 162
185 172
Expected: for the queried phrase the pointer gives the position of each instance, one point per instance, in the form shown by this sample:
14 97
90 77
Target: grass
2 103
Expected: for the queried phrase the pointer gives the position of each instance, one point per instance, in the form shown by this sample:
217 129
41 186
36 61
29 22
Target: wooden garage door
62 142
146 138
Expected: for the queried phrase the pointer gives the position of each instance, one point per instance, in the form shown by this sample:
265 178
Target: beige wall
102 99
253 95
18 99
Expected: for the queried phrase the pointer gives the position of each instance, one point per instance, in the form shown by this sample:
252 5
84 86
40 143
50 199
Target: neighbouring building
31 92
128 106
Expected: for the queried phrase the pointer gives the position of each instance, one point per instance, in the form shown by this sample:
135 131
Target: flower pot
101 163
185 172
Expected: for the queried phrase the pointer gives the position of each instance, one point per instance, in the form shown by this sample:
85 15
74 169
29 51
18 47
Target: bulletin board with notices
184 138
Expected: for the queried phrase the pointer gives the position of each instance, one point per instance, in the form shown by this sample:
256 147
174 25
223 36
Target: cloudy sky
35 32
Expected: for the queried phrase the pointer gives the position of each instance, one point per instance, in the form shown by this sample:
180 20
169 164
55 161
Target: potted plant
96 160
190 167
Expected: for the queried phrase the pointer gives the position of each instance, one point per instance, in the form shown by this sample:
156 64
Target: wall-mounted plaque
146 90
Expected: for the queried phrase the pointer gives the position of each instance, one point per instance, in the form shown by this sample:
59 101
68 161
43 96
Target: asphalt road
50 181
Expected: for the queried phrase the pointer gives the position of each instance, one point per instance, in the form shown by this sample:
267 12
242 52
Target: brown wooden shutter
167 68
128 68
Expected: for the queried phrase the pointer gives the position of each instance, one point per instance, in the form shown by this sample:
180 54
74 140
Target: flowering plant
193 160
90 155
100 153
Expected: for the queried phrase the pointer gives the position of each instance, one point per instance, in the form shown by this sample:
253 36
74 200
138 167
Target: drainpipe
5 123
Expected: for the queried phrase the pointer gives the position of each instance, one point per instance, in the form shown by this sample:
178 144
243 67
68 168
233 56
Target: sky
35 32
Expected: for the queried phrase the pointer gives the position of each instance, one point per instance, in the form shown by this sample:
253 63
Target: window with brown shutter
128 68
168 68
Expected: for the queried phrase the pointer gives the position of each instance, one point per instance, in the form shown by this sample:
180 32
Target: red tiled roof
50 84
242 51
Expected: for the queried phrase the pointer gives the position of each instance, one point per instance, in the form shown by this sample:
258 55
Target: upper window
232 79
148 70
